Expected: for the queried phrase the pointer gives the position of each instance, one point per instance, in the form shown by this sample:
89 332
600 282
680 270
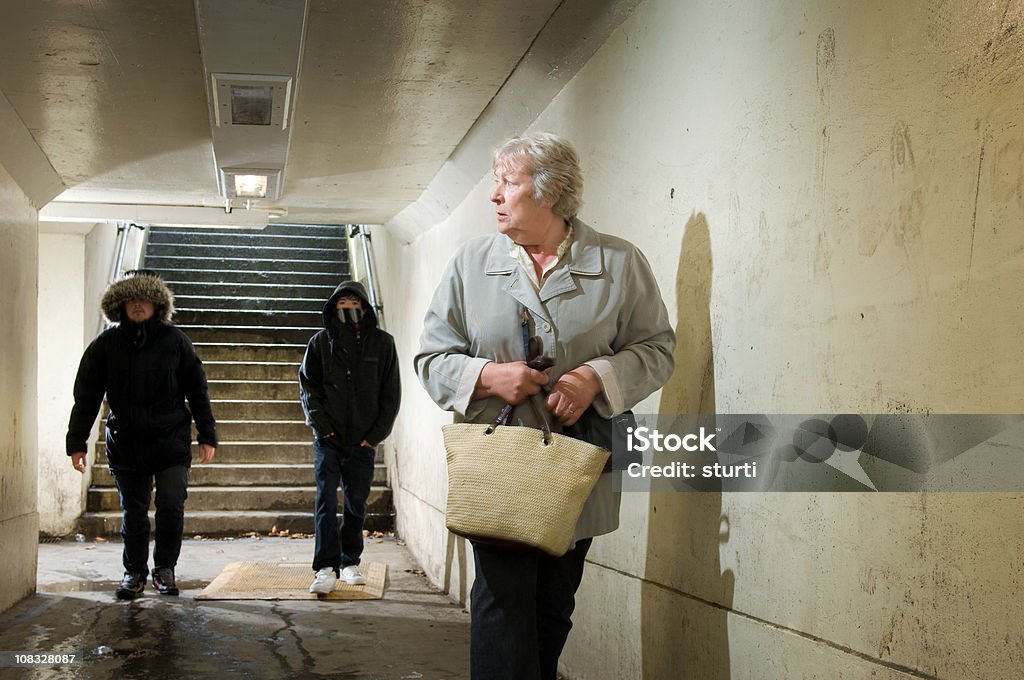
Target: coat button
547 327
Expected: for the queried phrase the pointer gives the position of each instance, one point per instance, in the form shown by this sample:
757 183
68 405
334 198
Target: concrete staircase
249 300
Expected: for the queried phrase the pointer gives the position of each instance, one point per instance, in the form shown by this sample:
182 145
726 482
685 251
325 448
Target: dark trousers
522 604
351 467
135 489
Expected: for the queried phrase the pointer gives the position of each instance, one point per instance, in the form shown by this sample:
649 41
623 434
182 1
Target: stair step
246 238
244 264
232 288
249 334
220 523
247 452
338 230
254 389
268 430
283 280
317 230
238 370
243 474
248 317
218 251
226 351
246 409
244 498
233 301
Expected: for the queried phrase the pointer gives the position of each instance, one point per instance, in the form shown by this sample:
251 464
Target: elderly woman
592 303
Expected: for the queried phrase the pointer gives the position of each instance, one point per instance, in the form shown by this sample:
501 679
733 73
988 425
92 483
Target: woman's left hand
573 393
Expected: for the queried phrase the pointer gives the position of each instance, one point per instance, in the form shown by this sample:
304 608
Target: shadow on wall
454 582
685 597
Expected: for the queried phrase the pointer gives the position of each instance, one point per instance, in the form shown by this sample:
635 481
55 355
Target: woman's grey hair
554 164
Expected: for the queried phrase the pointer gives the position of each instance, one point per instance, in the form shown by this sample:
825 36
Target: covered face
349 308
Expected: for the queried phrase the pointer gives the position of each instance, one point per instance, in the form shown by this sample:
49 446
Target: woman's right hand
514 381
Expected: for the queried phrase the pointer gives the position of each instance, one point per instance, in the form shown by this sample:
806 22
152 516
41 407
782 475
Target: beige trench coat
601 306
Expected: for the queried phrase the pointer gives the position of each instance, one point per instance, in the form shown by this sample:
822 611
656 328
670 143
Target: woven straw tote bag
518 486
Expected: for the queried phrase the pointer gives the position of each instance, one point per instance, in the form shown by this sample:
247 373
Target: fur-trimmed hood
138 285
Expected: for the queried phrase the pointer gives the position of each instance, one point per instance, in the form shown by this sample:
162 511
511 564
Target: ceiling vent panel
251 100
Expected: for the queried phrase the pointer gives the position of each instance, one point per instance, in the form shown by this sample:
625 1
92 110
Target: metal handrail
363 232
123 229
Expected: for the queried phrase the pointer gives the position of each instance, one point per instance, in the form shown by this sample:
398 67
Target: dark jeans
522 604
351 467
171 491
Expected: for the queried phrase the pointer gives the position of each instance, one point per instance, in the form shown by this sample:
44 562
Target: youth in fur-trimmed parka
147 370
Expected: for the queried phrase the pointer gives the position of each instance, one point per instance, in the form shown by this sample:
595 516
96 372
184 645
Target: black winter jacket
348 380
147 371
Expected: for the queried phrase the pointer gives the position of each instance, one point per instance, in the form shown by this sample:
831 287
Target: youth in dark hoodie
350 393
147 368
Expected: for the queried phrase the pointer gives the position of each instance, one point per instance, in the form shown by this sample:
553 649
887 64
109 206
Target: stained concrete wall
61 321
831 196
18 517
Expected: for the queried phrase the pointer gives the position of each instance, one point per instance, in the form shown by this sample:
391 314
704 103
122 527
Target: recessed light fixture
250 183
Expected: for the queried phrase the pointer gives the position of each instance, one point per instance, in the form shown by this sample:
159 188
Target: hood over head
369 315
138 284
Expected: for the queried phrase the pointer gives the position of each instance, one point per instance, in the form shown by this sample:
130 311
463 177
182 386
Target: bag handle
542 418
538 411
531 348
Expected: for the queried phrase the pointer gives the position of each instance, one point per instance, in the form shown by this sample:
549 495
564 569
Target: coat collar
586 257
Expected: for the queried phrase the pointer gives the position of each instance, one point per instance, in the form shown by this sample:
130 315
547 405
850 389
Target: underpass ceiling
113 92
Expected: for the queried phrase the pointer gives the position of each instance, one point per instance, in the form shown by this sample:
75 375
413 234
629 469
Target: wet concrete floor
415 632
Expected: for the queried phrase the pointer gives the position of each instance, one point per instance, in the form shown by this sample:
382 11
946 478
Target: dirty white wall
831 195
75 265
61 321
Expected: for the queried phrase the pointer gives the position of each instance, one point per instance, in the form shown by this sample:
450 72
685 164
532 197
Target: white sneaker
324 581
352 576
